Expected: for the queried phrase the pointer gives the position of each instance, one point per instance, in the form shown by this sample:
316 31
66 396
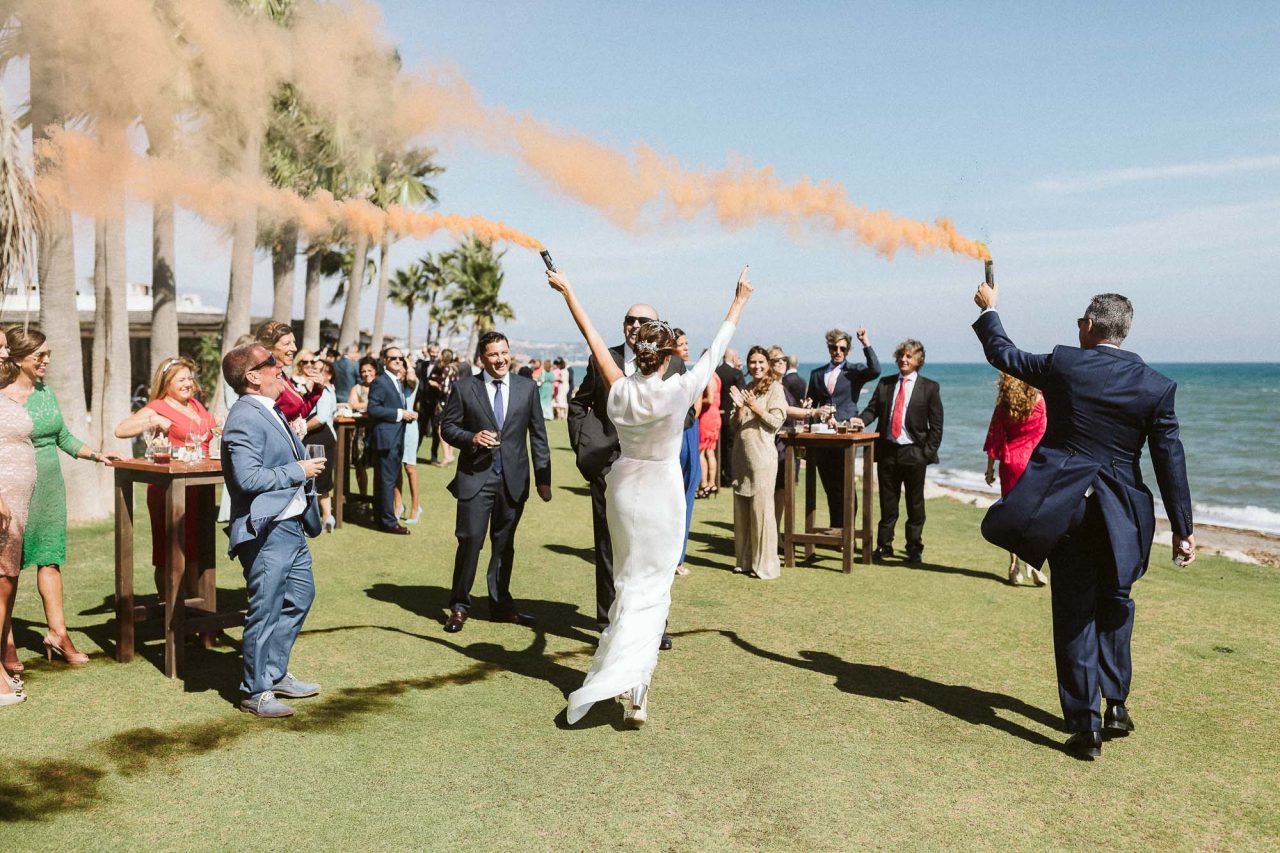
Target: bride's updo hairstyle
655 341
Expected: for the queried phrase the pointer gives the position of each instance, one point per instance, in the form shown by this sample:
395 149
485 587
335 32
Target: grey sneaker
265 704
291 688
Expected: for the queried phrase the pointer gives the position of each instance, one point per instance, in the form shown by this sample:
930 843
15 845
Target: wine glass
314 451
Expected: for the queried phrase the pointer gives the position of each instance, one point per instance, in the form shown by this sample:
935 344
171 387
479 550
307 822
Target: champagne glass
314 451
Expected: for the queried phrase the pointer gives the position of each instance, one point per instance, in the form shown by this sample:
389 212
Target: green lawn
890 707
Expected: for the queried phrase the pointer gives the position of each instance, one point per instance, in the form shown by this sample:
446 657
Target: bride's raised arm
608 368
696 380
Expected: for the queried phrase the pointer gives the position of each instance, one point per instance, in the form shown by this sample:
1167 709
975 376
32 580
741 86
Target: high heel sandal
73 658
637 712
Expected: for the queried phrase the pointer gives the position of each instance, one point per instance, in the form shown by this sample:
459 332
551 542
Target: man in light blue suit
272 513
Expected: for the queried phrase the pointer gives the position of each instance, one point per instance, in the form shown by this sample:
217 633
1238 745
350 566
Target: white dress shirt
299 500
399 390
628 362
910 386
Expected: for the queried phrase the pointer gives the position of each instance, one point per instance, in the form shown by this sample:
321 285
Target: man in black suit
426 406
836 386
495 419
731 376
389 411
1081 503
595 442
793 381
908 409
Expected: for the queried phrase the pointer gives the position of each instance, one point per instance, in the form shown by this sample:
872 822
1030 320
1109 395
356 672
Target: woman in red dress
296 404
1017 425
709 438
174 410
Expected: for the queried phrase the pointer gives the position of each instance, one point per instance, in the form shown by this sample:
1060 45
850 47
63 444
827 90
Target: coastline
1237 544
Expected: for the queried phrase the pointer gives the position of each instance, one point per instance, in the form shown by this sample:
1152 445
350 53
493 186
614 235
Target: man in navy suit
389 411
1082 505
495 419
272 512
837 385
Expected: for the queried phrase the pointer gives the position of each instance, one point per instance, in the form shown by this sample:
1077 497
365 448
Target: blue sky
1131 147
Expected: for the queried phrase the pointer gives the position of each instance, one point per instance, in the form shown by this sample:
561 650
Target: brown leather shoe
515 618
399 530
455 621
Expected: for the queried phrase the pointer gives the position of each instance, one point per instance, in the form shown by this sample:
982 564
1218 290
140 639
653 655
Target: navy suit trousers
489 510
1092 621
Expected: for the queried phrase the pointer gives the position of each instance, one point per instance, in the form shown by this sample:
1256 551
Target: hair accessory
646 346
661 324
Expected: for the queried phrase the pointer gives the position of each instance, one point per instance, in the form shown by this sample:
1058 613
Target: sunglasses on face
837 348
394 358
270 362
306 362
631 320
777 360
1080 321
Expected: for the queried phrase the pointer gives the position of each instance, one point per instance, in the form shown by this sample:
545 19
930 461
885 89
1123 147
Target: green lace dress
46 535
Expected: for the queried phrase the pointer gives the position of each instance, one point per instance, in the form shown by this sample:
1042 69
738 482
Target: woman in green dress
45 542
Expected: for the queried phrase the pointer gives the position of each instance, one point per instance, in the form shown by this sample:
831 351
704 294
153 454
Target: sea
1228 415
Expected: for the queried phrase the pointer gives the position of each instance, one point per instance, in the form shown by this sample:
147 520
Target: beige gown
17 480
755 469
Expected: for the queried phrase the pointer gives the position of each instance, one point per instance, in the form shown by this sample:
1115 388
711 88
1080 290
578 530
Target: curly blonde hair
1017 398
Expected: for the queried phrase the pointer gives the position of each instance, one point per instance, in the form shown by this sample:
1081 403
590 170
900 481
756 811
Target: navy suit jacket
922 421
260 467
468 411
1102 404
385 403
849 382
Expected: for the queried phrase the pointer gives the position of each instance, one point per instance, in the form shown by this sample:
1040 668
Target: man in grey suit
495 418
595 441
272 513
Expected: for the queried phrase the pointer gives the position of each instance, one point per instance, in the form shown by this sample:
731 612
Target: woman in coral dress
1017 425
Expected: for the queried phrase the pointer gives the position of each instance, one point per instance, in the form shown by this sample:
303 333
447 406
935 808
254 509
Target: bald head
636 316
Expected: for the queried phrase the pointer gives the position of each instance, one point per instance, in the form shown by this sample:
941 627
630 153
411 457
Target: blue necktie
499 416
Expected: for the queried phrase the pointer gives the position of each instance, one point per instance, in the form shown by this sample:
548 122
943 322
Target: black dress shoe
1084 745
600 626
515 618
1117 722
915 558
455 621
399 530
882 552
665 644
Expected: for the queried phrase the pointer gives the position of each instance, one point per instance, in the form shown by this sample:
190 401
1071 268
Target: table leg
810 499
207 560
868 488
846 532
789 506
175 503
340 474
124 568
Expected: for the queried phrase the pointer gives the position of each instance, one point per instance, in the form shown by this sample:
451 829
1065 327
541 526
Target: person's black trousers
489 511
604 550
728 432
386 469
1092 622
900 468
830 465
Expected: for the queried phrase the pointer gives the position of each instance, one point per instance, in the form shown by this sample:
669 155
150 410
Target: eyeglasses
270 362
837 348
1080 321
778 360
395 358
306 362
632 320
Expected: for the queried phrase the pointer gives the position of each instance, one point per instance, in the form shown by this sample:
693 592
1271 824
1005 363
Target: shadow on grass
945 570
973 706
582 491
432 602
588 554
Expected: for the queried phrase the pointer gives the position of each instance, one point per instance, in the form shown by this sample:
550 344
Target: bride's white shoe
637 713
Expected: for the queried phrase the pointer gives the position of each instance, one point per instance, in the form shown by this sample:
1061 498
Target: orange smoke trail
622 187
83 175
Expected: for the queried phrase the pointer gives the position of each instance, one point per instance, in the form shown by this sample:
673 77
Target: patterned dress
17 480
45 541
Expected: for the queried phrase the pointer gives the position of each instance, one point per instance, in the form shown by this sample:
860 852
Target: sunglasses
395 358
306 362
777 360
837 348
1080 321
270 362
631 320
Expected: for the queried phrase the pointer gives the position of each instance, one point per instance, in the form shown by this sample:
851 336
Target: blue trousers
1092 622
691 468
277 572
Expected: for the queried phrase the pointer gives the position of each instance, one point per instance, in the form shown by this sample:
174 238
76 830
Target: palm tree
409 287
399 180
19 211
476 272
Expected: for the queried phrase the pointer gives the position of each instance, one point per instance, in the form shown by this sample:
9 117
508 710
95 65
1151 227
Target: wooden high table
345 455
182 616
842 538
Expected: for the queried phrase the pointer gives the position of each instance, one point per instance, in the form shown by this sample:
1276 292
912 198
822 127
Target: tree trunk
284 255
311 301
111 356
380 306
59 317
349 332
409 335
164 286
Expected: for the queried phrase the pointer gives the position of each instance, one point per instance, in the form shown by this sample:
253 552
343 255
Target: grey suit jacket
468 411
260 467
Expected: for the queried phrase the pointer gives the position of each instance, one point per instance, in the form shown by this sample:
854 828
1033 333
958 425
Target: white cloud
1090 181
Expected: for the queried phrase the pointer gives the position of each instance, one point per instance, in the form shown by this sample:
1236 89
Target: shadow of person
432 602
946 570
973 706
532 661
587 554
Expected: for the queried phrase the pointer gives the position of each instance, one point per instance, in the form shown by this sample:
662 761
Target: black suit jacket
468 411
922 421
591 434
730 377
385 403
849 382
1102 404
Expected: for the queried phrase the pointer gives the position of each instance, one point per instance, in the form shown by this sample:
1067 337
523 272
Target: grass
890 707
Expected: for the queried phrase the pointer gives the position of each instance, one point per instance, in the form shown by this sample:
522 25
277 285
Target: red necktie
899 408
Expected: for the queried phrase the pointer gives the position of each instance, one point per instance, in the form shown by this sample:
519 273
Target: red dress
1011 443
181 425
709 420
296 405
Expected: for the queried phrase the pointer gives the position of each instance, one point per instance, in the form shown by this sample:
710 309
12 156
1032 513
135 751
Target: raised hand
745 289
987 296
862 336
559 282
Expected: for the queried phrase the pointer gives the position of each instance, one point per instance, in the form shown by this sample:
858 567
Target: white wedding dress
645 509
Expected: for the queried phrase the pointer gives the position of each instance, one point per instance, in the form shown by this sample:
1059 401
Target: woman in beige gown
761 409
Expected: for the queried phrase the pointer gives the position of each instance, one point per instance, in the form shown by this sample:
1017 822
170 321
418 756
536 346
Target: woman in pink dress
1017 425
174 410
17 482
709 437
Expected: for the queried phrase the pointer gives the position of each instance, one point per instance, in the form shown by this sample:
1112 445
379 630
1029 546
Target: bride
646 499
